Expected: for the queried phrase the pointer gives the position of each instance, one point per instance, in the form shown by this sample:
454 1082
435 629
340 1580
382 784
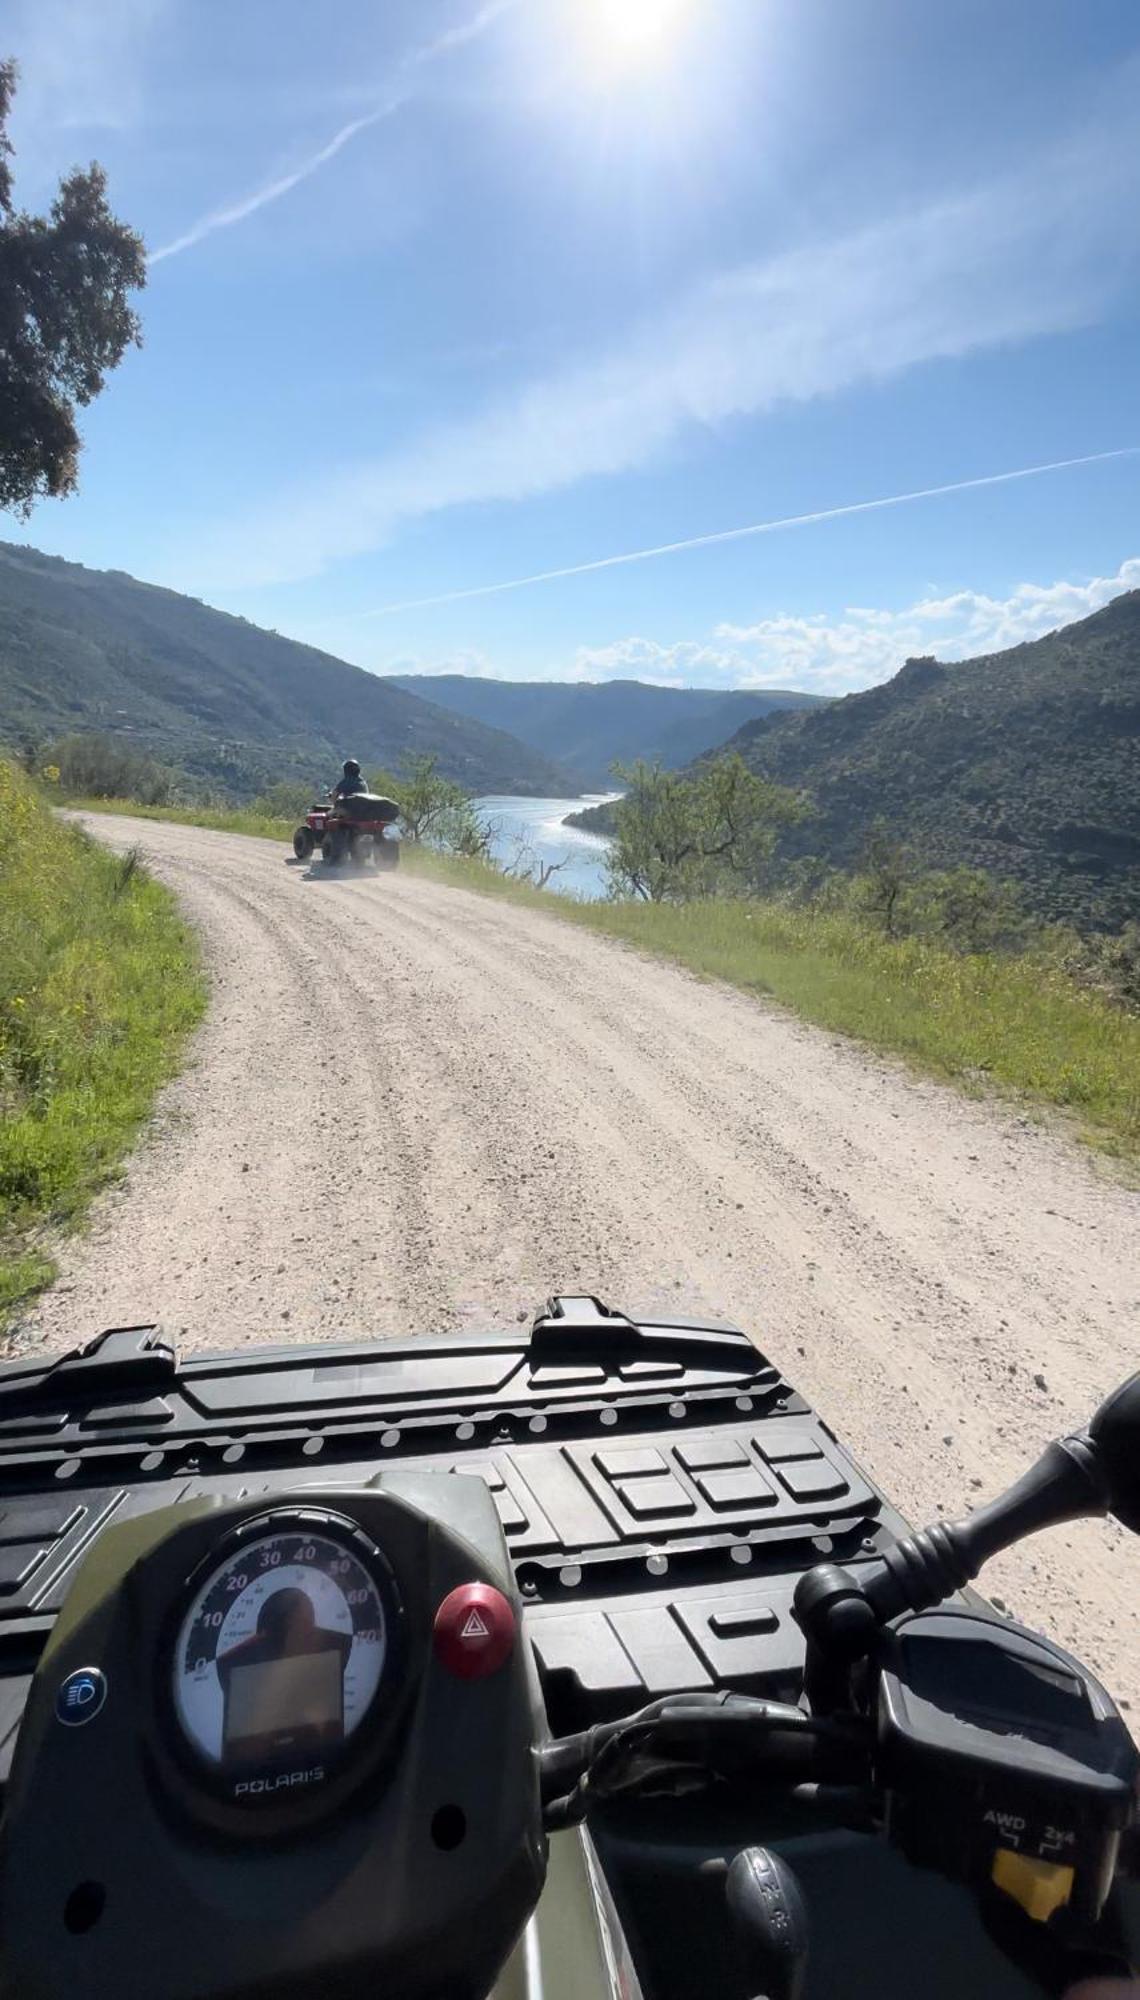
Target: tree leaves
678 835
65 321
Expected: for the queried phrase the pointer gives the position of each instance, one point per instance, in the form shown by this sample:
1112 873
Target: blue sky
444 295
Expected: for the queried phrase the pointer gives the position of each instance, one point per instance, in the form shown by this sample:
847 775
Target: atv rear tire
386 854
303 842
333 849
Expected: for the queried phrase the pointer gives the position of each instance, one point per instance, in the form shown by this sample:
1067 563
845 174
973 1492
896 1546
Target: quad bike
577 1661
356 829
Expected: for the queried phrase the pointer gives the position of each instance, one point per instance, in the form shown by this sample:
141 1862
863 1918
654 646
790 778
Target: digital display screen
298 1695
280 1655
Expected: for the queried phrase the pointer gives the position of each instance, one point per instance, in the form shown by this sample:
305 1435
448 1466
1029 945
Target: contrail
428 52
224 218
754 528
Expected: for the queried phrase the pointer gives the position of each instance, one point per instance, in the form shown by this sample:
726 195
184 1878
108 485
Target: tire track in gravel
414 1109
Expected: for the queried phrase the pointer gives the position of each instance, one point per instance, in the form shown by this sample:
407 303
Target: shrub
97 767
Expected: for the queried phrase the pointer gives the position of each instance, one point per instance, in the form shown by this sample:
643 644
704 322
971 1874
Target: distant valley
1025 763
588 726
233 706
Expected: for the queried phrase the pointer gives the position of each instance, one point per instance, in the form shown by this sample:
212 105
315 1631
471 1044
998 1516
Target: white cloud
1040 252
862 647
828 655
684 664
825 654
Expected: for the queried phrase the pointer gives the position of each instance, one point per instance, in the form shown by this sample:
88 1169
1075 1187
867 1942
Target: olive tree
708 830
436 811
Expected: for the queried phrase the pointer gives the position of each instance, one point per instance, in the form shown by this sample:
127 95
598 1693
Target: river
536 826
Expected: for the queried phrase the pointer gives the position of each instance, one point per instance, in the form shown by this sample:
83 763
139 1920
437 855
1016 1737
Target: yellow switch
1039 1886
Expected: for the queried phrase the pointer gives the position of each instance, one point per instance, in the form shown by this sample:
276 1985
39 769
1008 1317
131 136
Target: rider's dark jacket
346 788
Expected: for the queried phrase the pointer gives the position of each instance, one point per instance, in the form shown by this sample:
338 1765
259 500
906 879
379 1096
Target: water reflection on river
536 826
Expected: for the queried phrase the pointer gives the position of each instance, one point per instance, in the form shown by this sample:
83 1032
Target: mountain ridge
590 725
1024 762
227 701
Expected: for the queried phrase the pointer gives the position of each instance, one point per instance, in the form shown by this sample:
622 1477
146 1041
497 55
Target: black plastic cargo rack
661 1484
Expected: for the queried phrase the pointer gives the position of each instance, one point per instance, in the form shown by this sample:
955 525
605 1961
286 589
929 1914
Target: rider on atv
351 781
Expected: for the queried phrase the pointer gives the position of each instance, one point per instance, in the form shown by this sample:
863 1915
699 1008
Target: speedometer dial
281 1652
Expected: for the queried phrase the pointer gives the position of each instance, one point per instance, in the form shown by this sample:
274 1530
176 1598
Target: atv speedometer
281 1653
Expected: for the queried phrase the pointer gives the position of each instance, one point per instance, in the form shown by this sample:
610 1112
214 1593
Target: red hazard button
474 1631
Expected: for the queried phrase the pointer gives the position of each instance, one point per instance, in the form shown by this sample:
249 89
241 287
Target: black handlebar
1115 1432
853 1733
1093 1472
841 1612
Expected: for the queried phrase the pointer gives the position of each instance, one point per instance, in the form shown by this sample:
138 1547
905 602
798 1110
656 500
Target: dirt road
413 1108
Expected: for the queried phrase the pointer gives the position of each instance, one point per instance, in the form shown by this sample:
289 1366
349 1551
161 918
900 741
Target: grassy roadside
1016 1025
99 985
216 820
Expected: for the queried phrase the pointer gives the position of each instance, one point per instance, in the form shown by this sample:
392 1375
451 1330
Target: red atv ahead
356 829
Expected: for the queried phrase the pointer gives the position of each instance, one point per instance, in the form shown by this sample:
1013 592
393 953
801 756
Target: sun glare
625 30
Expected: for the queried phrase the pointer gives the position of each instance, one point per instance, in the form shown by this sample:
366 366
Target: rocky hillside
1026 763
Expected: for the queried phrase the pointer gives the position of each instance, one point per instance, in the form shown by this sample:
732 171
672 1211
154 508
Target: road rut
412 1108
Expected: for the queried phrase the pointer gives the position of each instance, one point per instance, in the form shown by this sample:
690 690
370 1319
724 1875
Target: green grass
99 985
217 819
1017 1025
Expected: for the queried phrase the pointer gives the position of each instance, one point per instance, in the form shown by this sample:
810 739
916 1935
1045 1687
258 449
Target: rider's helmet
351 768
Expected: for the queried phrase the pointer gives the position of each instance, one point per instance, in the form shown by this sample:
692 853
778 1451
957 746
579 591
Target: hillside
589 726
1026 763
228 703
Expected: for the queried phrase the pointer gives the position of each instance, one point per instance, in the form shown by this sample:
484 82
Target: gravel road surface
417 1109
